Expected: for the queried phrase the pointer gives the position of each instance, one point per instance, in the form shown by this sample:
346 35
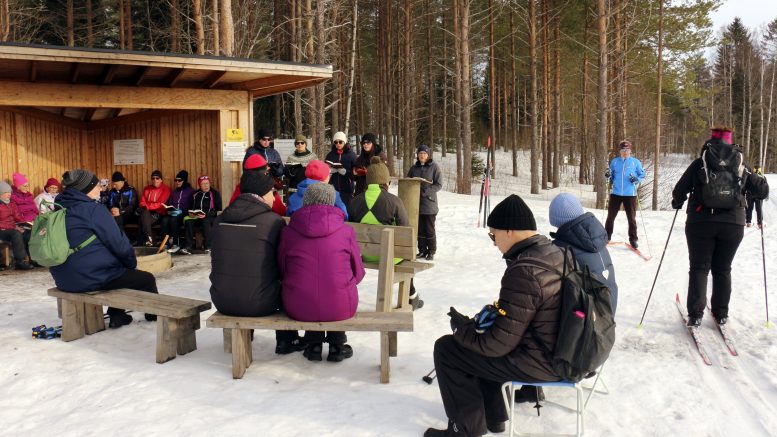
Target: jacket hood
315 221
243 208
584 232
306 183
71 197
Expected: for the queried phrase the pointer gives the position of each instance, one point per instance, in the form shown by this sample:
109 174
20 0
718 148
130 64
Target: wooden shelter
63 108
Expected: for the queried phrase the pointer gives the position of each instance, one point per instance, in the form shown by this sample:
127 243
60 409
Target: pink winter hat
19 180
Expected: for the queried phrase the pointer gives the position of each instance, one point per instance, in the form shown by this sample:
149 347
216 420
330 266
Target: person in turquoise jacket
625 174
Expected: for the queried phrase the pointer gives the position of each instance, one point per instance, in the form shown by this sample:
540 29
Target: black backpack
586 331
721 176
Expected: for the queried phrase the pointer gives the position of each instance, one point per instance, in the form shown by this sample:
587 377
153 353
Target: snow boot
150 317
634 244
119 319
453 430
495 427
529 393
339 352
694 322
420 254
285 347
313 352
430 256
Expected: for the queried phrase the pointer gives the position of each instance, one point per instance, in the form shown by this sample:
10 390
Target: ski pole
644 229
639 326
429 378
766 294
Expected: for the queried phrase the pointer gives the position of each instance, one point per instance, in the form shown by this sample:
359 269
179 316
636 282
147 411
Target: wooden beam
140 76
46 116
33 71
75 70
137 117
108 72
174 77
213 79
89 113
269 81
115 112
94 96
282 88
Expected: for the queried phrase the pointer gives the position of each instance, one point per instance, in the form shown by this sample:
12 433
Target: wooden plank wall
41 149
37 148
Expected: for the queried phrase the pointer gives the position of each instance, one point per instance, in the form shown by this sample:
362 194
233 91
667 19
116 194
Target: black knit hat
256 182
118 177
369 138
512 214
156 173
79 179
262 133
183 175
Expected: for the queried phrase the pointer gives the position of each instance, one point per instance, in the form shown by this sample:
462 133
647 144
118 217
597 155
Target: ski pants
471 385
427 237
147 220
207 225
134 279
711 245
171 225
757 204
337 338
630 206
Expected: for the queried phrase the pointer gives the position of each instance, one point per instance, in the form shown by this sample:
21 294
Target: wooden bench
374 240
177 317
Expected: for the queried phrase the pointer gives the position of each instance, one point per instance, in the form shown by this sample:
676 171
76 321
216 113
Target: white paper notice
129 152
234 151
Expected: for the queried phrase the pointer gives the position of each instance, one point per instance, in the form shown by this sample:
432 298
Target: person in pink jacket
320 262
23 198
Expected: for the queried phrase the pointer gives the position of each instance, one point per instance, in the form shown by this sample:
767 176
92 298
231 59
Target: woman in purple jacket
320 261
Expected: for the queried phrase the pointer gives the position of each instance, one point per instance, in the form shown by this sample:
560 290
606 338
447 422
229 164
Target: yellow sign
235 135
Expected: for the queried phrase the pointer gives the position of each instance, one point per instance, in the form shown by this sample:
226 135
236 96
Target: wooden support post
384 358
227 340
393 343
385 271
241 352
187 341
403 298
166 339
59 307
93 318
73 326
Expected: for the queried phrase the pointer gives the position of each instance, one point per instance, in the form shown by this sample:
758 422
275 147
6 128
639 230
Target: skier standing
625 173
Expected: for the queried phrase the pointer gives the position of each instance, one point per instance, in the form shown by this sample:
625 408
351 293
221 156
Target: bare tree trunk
5 20
407 98
659 81
320 148
430 88
70 25
535 141
320 47
761 108
89 24
197 13
601 146
466 101
444 89
353 64
492 96
583 175
459 96
762 158
546 146
227 30
557 102
214 27
128 22
618 78
514 116
296 55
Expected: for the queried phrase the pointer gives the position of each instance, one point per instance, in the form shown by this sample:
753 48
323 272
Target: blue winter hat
564 208
423 148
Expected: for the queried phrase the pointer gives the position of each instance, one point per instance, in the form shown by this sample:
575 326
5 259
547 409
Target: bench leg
392 344
166 339
59 307
384 357
227 340
187 341
242 354
94 318
73 326
403 298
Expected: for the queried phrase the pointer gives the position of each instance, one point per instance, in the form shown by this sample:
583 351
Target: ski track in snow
658 384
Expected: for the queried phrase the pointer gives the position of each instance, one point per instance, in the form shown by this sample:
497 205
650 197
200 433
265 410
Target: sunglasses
156 178
178 180
299 143
492 237
265 139
339 142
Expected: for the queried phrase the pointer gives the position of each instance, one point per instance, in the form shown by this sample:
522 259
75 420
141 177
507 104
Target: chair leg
508 395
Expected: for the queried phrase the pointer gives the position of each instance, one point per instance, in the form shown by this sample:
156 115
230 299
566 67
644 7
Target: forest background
566 80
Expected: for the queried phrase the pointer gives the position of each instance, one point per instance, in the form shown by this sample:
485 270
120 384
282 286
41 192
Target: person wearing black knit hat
106 260
263 147
370 148
245 278
472 364
122 200
427 169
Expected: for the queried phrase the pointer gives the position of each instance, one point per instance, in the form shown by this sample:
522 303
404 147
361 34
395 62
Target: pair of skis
632 248
485 188
694 333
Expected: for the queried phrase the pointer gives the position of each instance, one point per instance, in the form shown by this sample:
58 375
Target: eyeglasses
492 236
265 139
300 143
339 142
156 178
178 180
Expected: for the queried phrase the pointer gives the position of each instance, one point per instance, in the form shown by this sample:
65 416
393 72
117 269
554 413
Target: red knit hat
51 182
317 170
254 162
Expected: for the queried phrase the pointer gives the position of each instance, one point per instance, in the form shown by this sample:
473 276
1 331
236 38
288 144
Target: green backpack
49 246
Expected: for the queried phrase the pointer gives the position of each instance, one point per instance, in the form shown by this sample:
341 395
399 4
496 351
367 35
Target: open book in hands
169 207
197 213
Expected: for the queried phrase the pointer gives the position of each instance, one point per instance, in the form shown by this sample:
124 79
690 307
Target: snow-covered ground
109 382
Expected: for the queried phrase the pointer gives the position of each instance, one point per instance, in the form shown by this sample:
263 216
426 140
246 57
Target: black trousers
147 220
427 237
172 226
134 279
757 204
711 246
123 219
630 206
470 385
337 338
17 240
206 224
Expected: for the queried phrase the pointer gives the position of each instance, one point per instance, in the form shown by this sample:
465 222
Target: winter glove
457 319
633 179
607 174
341 171
360 171
677 203
174 212
486 318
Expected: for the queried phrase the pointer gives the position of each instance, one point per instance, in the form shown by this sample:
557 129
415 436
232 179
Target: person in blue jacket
315 172
625 174
108 262
263 147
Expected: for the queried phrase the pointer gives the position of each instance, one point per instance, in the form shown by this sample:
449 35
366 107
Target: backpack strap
84 244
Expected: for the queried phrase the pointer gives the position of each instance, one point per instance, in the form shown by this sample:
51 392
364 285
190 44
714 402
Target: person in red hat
257 163
316 171
45 200
625 174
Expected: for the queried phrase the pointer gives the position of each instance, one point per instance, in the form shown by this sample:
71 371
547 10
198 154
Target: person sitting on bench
245 279
9 230
122 200
321 265
108 262
152 207
205 206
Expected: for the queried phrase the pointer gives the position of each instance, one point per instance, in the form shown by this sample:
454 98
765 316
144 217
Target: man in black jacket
472 364
245 280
